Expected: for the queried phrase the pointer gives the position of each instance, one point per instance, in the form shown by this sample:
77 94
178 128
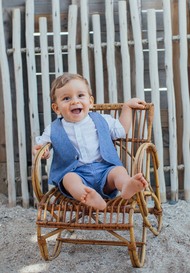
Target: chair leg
138 231
49 246
137 255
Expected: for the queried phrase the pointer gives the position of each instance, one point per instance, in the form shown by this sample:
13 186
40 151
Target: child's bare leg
118 178
73 184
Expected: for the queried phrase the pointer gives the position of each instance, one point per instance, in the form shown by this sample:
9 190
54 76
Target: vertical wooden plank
139 58
72 30
31 69
177 87
125 60
7 101
85 39
45 71
124 50
183 63
154 82
45 78
20 105
99 74
171 100
110 33
57 38
188 31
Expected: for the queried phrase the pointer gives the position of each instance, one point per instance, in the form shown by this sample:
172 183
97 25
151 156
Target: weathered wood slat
99 75
72 31
57 38
31 69
7 101
139 60
20 110
125 58
157 129
177 86
110 34
138 48
85 39
184 95
124 50
171 100
45 71
45 76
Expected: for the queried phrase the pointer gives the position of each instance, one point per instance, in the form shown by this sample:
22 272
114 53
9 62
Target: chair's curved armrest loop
36 172
150 150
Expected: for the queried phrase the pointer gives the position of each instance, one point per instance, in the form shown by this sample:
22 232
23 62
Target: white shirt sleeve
45 137
115 127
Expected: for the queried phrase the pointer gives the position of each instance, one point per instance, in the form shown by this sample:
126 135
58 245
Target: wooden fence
111 50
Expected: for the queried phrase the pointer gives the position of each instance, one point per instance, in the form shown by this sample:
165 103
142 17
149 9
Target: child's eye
81 95
66 98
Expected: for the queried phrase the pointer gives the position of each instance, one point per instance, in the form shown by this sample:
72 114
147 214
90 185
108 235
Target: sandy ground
19 252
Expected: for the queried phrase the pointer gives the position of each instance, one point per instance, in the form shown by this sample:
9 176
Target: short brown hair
62 80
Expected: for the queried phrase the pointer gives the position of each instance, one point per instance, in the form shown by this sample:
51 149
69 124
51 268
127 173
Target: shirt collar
66 123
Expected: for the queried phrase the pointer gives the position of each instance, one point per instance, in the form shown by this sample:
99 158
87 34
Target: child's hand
45 155
136 103
126 113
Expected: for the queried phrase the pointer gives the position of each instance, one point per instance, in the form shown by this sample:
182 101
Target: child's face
73 101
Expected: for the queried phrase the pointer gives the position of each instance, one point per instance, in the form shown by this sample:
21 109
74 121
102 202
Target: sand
19 252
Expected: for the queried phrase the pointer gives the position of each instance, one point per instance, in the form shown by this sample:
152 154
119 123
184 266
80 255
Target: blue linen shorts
93 175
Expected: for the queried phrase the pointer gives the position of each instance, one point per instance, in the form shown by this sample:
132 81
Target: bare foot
134 184
93 199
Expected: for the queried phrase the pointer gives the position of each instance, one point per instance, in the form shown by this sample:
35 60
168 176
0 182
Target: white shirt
83 136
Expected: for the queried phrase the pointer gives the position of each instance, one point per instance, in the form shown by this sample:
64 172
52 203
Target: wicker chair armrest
151 153
150 148
36 178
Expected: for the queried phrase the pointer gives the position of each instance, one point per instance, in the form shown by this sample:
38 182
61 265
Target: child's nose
75 100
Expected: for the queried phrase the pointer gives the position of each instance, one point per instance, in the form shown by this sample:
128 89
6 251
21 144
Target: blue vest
66 157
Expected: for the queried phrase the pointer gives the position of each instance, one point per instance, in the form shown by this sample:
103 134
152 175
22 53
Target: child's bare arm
126 113
35 149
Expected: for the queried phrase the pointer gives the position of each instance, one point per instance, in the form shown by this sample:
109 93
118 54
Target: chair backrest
141 130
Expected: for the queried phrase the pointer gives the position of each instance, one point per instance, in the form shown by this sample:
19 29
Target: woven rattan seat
59 217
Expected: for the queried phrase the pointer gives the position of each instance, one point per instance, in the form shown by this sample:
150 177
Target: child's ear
91 101
55 108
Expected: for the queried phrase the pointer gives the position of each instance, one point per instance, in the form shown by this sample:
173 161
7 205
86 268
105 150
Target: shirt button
76 157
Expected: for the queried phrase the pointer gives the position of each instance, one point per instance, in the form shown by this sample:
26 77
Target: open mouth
76 111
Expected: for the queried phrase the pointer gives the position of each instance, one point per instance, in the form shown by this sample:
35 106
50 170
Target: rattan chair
125 221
